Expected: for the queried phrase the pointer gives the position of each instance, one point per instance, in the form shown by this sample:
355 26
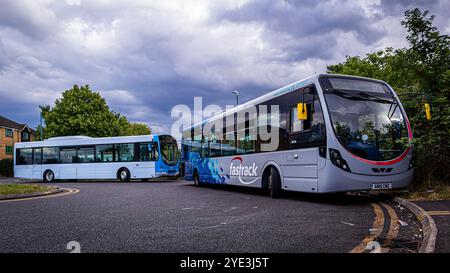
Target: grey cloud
150 56
301 19
3 56
32 18
398 7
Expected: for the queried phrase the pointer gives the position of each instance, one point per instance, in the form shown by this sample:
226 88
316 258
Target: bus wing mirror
427 111
302 113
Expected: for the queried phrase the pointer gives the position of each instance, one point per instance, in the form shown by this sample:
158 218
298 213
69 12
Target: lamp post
41 132
237 96
41 129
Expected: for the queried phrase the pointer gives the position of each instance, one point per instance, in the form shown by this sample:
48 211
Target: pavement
440 211
8 180
176 216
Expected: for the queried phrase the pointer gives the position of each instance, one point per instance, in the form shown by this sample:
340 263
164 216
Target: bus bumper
332 179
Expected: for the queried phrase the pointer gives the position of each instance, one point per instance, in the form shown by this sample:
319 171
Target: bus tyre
49 176
274 183
197 179
124 175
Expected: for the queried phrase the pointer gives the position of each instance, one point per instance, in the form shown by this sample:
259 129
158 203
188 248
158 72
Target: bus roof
83 140
278 92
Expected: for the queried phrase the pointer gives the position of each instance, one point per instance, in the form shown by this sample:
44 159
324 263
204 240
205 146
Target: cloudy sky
146 56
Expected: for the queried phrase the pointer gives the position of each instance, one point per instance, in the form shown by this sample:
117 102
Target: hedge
6 167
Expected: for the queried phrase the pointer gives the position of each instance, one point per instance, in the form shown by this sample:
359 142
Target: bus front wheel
124 175
49 176
274 183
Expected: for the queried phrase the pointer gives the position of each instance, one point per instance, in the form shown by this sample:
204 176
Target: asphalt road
179 217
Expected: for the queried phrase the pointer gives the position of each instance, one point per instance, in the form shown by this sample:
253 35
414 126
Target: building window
25 136
9 150
8 132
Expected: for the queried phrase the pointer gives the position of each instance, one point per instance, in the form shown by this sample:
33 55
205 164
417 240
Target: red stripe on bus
383 163
390 162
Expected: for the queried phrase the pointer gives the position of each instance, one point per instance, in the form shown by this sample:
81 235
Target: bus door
85 158
146 154
37 161
67 169
300 170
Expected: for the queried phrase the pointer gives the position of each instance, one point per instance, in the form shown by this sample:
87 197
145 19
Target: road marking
375 231
438 212
393 228
67 192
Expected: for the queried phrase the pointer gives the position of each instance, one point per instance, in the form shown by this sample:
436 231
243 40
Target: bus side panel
37 172
144 170
67 171
107 170
23 171
87 170
298 169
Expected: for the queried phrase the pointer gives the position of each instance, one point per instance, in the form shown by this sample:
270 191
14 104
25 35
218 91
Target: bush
6 167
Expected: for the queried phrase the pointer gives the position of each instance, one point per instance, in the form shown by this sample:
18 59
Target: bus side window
309 132
37 156
147 151
25 156
205 148
297 125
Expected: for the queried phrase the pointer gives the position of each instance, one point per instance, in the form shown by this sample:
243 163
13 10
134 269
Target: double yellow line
377 229
438 212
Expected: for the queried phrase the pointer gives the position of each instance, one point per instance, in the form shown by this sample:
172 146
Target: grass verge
6 189
440 192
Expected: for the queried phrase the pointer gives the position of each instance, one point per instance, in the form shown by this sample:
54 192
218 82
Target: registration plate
381 186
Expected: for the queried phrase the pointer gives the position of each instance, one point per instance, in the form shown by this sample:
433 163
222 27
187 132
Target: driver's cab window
298 125
311 131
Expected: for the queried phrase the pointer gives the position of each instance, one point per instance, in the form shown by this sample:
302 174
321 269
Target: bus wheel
197 179
124 175
49 176
274 183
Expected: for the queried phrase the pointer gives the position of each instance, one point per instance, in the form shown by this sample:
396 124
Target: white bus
82 157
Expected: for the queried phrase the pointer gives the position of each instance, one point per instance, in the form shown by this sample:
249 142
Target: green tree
137 129
81 111
422 68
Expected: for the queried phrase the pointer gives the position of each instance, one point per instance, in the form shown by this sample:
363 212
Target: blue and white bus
81 157
336 133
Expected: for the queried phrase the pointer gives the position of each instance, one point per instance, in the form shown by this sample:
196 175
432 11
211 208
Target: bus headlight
337 160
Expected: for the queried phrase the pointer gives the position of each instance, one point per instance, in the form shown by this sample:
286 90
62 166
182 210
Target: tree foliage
81 111
419 73
137 129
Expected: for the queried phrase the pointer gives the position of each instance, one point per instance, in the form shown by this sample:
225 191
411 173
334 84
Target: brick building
12 132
